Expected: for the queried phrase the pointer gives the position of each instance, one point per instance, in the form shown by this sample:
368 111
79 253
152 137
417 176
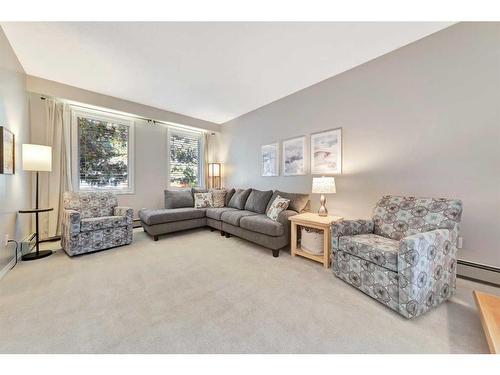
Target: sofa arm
426 270
71 222
349 228
283 219
124 211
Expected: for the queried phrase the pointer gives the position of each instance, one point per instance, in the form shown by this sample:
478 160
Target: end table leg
326 248
293 246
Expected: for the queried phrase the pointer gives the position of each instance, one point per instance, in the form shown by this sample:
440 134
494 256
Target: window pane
184 159
103 154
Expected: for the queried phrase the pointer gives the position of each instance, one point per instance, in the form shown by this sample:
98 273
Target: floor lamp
214 175
37 158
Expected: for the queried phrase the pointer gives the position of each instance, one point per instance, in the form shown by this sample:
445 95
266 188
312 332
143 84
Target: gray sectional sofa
243 215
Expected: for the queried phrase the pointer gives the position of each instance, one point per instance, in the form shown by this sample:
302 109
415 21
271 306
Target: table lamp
323 185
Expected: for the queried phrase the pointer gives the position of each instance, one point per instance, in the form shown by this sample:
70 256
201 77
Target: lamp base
322 209
37 255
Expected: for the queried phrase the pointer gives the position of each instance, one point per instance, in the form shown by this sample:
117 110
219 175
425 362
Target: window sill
117 192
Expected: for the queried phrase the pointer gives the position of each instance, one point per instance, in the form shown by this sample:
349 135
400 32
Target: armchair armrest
71 222
124 211
427 270
349 228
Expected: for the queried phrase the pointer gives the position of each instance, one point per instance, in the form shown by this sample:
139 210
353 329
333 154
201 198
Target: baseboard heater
136 223
27 244
478 272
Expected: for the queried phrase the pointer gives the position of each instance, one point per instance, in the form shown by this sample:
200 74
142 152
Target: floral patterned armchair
93 221
405 257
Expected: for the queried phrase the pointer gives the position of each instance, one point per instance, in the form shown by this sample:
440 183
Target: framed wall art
294 157
270 160
7 151
326 152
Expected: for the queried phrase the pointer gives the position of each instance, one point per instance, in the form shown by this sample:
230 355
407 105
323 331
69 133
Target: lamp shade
213 169
323 185
37 158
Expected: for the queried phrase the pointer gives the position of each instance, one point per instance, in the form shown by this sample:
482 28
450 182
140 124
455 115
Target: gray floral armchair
405 257
93 221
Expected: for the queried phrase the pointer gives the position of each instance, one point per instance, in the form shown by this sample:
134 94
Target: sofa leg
228 235
212 229
155 238
276 253
222 233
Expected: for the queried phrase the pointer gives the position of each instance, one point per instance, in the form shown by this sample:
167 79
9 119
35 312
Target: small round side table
37 254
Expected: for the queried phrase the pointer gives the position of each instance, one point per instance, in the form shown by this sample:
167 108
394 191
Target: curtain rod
148 120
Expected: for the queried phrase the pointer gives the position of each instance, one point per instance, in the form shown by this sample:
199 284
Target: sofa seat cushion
165 215
234 217
380 250
216 212
96 223
262 224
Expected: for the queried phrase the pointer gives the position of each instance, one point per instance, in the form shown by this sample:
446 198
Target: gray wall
423 120
14 189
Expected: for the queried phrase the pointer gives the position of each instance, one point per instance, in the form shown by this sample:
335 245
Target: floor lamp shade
214 174
37 158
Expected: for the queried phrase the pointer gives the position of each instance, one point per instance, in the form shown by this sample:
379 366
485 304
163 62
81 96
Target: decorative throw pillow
202 200
279 204
218 197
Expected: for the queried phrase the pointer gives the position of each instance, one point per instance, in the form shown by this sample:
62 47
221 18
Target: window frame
201 162
75 146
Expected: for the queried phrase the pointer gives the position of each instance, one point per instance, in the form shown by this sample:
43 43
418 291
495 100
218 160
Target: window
185 160
102 151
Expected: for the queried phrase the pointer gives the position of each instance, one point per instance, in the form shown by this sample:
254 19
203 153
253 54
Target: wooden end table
489 311
310 220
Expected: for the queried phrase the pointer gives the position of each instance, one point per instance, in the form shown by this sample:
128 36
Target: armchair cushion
349 228
376 249
96 223
398 217
91 203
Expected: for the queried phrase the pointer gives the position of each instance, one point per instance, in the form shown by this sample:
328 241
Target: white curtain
206 141
54 184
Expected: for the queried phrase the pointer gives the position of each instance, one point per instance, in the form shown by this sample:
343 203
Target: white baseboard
9 266
477 271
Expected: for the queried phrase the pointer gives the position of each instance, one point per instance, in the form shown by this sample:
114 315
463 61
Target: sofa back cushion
298 202
229 195
239 198
179 198
397 217
257 201
90 204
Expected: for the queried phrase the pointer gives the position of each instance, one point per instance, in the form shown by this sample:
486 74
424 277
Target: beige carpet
197 292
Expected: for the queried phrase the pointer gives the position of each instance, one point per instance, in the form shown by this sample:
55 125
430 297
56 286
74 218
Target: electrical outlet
6 240
460 242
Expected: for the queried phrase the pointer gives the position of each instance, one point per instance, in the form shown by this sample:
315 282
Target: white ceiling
211 71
